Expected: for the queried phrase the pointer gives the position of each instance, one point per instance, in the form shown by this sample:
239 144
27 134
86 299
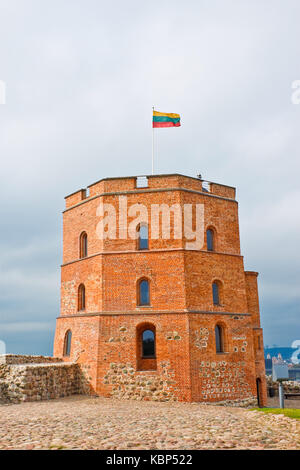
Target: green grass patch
290 412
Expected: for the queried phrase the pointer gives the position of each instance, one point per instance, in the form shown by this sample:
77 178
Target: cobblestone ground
98 423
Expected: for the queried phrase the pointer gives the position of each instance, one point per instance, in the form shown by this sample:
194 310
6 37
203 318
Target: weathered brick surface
105 335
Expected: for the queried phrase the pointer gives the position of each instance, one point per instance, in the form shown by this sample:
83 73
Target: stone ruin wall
34 378
126 383
22 359
289 386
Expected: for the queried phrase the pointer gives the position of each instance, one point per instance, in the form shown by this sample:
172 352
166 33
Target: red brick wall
84 346
75 198
222 376
104 335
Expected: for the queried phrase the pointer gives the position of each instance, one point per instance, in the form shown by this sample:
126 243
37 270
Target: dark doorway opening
258 392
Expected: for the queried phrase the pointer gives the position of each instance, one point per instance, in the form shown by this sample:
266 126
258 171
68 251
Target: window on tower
210 239
83 245
143 292
219 337
216 293
148 344
81 297
67 343
143 239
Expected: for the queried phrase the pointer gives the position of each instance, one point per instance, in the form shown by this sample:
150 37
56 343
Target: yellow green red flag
165 119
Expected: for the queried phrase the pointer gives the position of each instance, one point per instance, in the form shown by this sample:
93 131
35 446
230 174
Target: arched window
219 336
216 293
143 239
210 239
67 343
81 297
83 245
143 292
148 344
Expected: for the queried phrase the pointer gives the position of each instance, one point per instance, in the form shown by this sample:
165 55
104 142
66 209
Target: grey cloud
81 80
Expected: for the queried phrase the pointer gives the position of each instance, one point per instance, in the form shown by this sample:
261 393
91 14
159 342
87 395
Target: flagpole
152 143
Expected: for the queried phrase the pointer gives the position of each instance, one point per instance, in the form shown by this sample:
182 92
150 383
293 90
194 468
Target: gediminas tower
150 319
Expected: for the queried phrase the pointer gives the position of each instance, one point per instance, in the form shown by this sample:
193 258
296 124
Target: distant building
268 366
294 373
294 370
285 352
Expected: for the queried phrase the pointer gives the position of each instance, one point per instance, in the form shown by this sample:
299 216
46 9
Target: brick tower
158 317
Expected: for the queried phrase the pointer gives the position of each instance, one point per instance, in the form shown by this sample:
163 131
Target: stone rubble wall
141 385
289 386
23 359
243 403
40 381
32 378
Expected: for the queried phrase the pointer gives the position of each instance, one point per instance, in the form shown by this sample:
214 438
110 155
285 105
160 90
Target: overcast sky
81 78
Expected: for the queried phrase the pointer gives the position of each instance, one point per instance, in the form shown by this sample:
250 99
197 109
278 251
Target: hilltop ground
97 423
81 422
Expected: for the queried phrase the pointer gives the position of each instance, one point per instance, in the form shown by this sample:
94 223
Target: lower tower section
200 357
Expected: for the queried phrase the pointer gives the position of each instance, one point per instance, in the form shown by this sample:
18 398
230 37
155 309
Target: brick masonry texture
106 335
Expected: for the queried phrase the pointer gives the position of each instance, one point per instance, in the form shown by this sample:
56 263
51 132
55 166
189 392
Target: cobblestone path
98 423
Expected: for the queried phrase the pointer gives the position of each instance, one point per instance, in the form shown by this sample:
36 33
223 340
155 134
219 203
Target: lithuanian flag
165 119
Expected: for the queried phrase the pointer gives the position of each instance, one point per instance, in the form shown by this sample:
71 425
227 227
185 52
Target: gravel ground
80 422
